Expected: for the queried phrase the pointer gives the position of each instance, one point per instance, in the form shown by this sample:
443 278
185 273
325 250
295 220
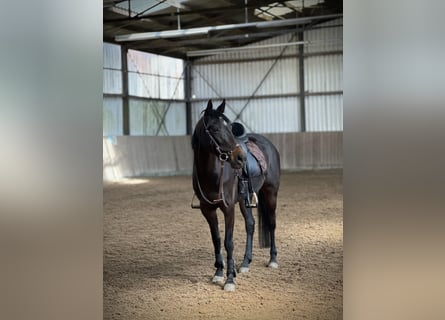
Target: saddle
255 165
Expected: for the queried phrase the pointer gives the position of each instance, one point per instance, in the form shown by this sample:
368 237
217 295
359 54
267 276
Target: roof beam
246 37
205 30
200 53
188 11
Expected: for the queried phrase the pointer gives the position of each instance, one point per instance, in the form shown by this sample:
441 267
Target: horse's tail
263 222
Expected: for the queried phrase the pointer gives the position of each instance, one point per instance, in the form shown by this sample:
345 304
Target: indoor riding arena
278 68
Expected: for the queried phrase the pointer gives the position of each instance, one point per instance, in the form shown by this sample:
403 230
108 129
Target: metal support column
125 100
188 96
301 81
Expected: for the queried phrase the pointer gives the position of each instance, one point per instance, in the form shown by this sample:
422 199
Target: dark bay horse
218 163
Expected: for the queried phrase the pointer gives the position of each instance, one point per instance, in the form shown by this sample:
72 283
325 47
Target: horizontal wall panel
143 85
309 150
148 63
175 119
272 77
171 88
142 62
157 87
323 73
272 115
112 81
157 118
324 113
128 156
111 56
326 39
112 116
245 79
253 54
259 116
154 76
265 99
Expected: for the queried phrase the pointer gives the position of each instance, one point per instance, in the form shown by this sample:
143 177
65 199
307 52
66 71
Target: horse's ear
209 106
222 106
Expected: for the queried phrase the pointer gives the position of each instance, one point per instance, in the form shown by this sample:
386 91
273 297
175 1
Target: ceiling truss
223 23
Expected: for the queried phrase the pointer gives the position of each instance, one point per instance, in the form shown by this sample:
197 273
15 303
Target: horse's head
213 131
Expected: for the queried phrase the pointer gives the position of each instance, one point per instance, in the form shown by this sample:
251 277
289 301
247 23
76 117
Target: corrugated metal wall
112 86
154 85
324 113
322 73
240 79
264 115
111 56
324 77
262 91
252 55
325 39
129 156
262 86
157 118
155 77
112 116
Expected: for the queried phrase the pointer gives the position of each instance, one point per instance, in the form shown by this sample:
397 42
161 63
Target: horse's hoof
273 265
244 269
229 287
218 279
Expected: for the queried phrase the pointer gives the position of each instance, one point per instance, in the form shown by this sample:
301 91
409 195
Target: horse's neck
206 164
208 168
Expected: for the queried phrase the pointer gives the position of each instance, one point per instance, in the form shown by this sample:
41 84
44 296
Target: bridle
223 157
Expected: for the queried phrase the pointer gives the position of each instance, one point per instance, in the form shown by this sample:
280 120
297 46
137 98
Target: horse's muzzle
238 158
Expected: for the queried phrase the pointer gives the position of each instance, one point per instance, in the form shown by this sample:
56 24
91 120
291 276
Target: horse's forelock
218 114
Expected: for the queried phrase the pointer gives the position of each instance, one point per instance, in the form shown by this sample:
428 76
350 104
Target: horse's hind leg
270 201
250 228
212 219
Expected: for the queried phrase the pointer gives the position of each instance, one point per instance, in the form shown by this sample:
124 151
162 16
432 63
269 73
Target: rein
220 197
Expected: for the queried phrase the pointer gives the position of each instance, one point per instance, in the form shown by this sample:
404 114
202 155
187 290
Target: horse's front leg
229 217
212 219
250 228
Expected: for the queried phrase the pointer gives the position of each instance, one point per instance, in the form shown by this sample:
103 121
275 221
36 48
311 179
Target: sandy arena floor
158 254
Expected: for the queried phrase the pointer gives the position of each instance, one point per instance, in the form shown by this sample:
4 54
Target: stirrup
252 200
195 206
